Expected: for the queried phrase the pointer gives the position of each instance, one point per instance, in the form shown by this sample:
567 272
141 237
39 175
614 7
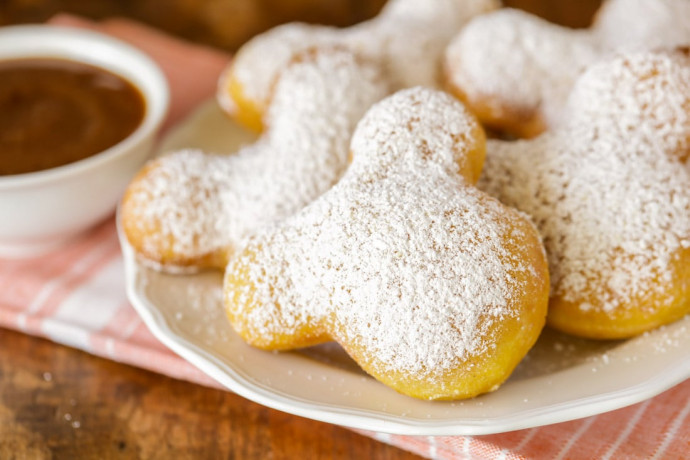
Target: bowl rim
156 100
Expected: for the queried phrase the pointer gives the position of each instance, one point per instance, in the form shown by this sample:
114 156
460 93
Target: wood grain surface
56 402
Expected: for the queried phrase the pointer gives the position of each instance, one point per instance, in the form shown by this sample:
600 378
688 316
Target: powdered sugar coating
407 38
520 66
630 25
194 204
258 64
402 262
609 191
519 60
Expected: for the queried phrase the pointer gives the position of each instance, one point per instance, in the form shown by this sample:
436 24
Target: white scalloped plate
561 379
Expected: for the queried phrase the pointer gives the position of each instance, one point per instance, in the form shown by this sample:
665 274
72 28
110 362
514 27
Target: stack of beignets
432 286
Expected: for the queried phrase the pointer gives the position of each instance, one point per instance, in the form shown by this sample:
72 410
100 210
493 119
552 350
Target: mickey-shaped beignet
610 193
407 38
515 70
433 287
192 209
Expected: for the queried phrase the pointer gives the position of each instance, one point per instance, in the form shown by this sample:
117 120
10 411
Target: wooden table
61 403
57 402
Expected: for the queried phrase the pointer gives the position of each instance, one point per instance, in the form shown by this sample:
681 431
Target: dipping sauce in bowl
57 111
79 115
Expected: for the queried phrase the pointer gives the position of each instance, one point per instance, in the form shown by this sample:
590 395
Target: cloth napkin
76 296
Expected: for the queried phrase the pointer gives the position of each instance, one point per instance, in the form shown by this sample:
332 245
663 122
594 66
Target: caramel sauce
54 112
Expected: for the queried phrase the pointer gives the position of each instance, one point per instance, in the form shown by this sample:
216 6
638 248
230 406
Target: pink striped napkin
76 296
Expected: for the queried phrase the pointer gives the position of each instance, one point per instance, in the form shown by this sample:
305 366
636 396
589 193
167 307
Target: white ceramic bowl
41 210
